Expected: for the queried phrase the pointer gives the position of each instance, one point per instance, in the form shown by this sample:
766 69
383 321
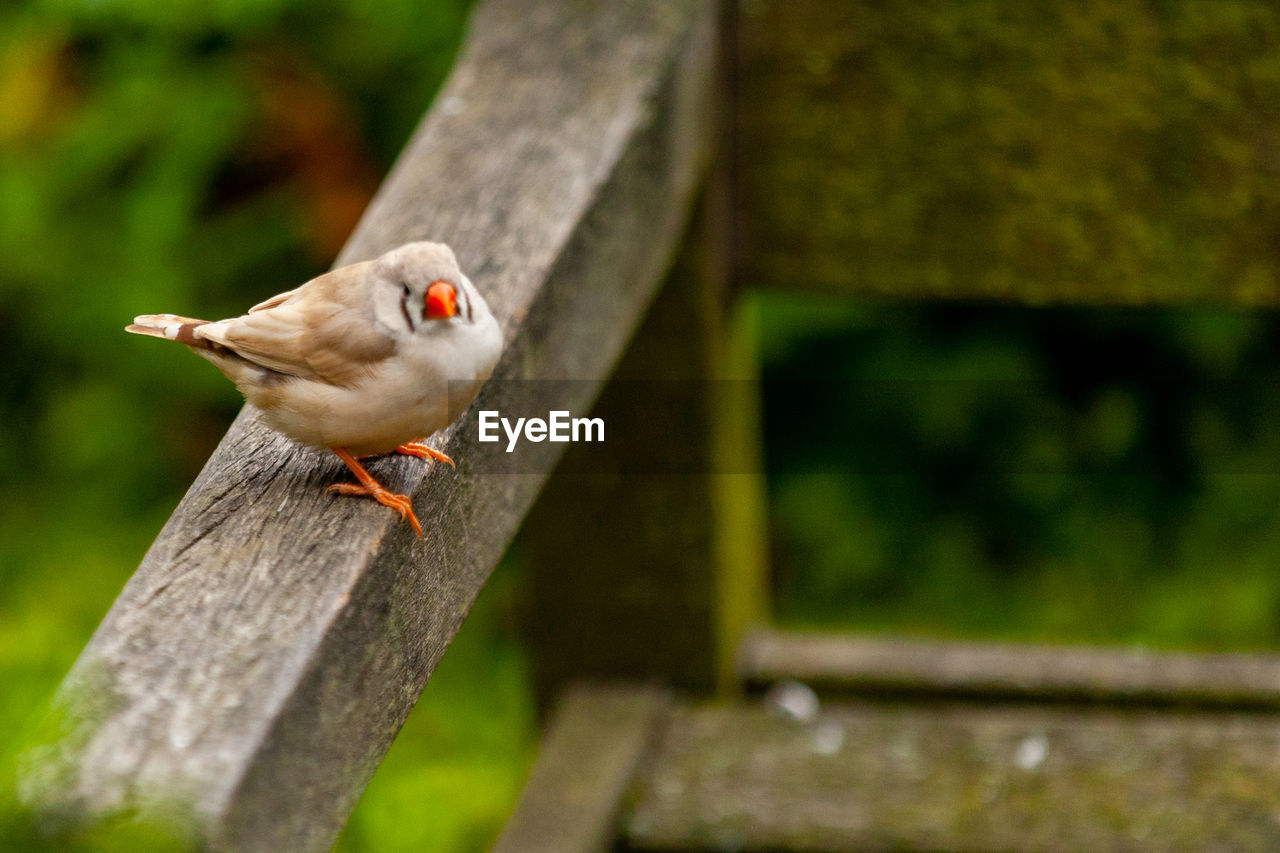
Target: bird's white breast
403 398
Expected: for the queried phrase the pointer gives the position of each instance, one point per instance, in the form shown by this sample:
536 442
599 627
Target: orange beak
442 300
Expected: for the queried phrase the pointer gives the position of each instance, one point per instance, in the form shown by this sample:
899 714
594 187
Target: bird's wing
323 330
333 284
278 299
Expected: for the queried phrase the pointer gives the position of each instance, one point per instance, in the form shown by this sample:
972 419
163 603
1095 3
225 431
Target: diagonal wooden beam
260 661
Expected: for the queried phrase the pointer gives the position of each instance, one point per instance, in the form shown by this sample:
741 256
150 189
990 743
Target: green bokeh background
960 470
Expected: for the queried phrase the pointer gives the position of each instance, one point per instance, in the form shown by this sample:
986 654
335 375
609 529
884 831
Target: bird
364 360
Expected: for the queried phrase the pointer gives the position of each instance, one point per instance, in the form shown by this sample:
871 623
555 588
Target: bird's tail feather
171 327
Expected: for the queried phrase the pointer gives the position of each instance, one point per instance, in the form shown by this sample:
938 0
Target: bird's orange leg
372 488
419 449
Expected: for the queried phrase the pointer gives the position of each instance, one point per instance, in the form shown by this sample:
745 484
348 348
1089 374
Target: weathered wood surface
848 663
938 777
1044 152
597 740
259 663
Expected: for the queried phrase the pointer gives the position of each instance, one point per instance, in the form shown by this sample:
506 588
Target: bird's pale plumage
360 359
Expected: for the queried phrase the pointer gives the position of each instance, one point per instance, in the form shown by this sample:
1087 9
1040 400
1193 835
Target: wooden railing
258 664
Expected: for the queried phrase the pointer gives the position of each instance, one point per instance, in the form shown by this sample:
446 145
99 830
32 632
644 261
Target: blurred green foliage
1042 474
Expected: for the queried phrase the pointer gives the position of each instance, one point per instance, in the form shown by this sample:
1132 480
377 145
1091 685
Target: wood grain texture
842 663
597 740
259 663
956 777
928 149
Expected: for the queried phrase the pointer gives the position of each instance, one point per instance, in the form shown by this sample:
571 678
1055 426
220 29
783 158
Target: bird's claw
422 451
400 503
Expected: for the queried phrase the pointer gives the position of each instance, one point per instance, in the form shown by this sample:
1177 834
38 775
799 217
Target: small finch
366 359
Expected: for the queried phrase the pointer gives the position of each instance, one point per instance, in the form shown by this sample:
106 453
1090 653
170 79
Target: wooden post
648 562
598 738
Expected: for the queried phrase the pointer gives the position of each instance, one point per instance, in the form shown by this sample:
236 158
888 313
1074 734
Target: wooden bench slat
850 663
940 777
261 660
932 151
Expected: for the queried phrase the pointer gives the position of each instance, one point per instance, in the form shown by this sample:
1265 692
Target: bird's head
432 289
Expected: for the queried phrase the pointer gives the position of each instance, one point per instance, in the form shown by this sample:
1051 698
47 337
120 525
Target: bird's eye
404 289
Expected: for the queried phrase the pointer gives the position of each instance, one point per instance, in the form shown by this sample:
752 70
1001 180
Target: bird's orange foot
400 503
372 488
420 450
